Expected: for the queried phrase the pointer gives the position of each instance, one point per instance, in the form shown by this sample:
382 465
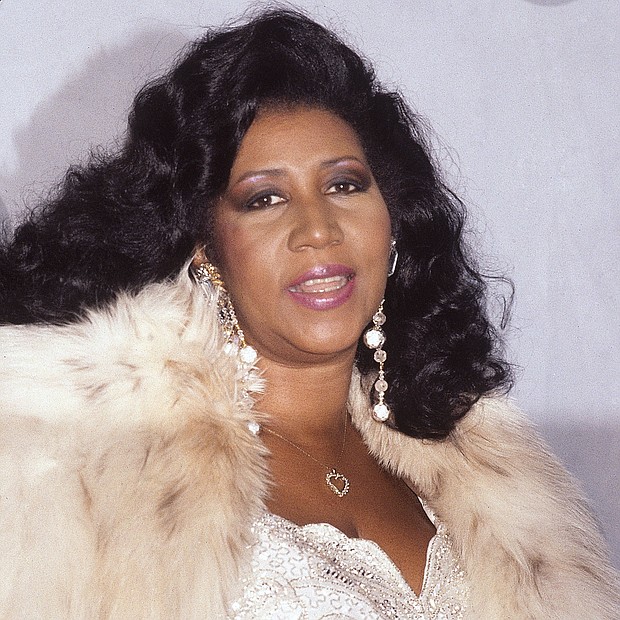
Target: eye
262 201
343 187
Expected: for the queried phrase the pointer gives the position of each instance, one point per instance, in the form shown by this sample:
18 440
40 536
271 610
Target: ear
199 256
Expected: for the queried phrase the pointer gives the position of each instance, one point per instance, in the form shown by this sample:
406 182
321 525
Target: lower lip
325 301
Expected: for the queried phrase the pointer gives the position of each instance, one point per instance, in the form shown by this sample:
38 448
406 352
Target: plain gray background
523 98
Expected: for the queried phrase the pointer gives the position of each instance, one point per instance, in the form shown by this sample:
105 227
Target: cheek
377 234
232 250
243 259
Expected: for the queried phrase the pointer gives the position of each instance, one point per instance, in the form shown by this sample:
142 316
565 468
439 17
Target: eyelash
251 204
357 187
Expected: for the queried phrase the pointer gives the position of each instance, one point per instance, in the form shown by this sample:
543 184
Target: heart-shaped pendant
334 476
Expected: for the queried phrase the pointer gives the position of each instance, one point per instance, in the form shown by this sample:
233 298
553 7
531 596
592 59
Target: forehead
296 135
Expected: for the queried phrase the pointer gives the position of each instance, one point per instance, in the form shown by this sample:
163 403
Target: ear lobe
199 257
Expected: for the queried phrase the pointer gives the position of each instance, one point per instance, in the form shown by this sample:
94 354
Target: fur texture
129 480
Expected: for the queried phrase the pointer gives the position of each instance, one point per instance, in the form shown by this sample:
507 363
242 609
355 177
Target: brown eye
343 187
263 201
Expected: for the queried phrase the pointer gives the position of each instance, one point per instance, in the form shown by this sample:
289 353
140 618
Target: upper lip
322 271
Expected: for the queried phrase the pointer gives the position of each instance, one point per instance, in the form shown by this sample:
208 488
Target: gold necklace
332 474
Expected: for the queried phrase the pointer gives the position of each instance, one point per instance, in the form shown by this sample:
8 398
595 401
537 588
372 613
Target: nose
316 225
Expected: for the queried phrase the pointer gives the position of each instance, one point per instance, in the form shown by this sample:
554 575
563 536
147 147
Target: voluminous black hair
135 216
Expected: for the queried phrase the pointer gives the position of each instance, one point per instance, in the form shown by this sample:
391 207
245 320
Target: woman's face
303 236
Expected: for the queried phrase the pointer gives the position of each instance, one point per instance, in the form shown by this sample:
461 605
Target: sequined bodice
316 572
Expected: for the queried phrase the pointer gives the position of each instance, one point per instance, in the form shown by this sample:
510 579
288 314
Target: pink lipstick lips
323 287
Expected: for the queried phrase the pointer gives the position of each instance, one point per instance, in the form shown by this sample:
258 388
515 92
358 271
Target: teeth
321 285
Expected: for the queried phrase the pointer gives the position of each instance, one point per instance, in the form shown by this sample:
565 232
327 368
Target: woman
365 464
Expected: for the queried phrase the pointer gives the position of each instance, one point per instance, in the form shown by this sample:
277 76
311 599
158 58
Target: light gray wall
523 98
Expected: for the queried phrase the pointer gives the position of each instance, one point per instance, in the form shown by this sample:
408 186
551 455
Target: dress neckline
326 533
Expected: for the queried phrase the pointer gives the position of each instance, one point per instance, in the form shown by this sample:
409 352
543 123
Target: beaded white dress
316 572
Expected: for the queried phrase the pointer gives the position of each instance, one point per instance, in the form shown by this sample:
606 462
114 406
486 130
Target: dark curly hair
135 216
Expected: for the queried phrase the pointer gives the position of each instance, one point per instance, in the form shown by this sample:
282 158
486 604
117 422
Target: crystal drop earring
374 338
210 280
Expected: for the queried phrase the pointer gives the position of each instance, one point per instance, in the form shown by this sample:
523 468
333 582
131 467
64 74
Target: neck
307 405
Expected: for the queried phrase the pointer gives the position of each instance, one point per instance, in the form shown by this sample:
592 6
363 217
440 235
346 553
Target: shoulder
140 347
520 525
543 550
126 427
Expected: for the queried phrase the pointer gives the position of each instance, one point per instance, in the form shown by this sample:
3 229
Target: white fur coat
128 479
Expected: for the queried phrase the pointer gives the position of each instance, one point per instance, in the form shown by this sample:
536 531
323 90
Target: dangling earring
210 280
393 258
374 338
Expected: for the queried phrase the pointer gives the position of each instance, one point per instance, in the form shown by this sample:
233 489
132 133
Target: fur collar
129 480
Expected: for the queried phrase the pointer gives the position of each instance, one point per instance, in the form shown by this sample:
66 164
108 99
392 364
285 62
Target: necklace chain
333 474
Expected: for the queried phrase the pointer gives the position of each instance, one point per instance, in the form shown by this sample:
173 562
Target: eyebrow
342 160
280 172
